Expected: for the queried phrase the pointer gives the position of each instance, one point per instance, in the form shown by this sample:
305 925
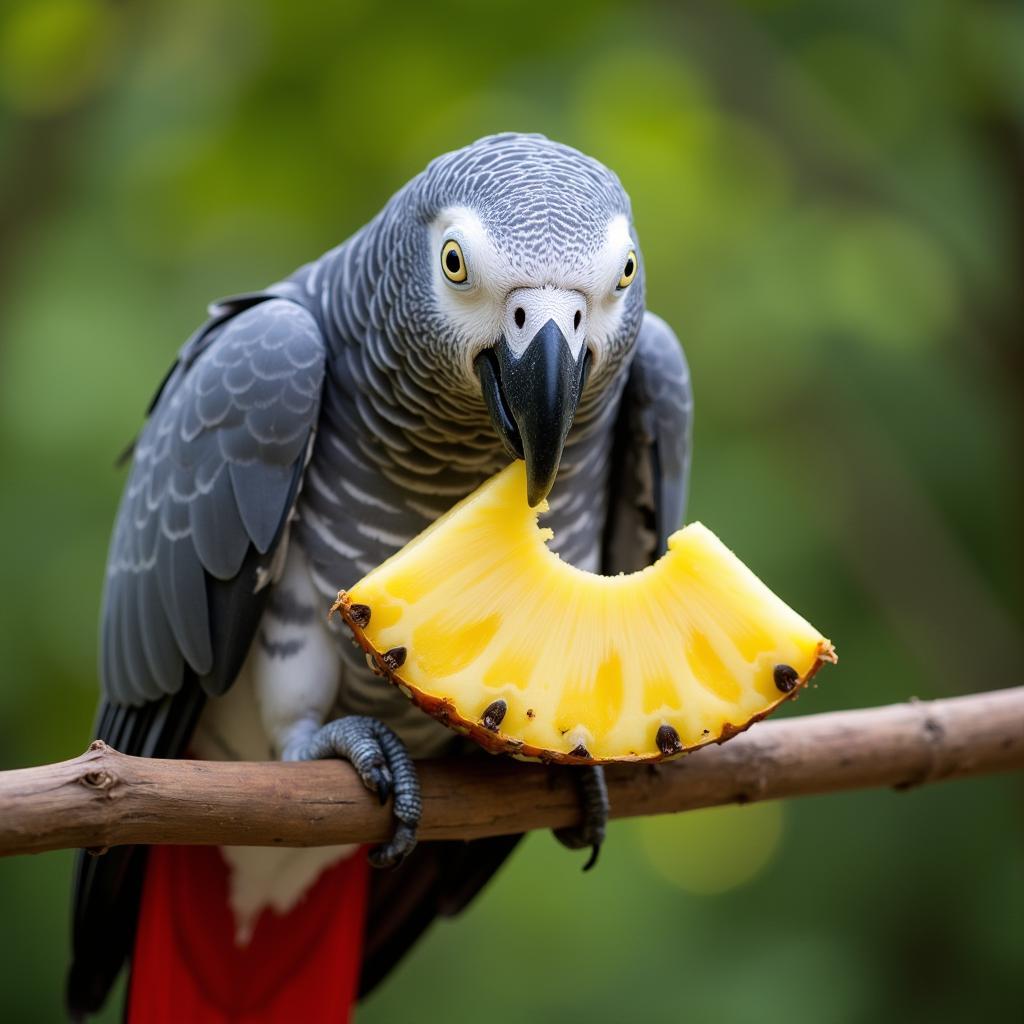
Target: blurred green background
830 197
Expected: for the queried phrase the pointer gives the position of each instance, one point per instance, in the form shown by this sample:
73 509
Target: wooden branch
104 798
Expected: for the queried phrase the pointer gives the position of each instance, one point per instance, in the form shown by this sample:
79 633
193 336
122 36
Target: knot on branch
98 780
100 777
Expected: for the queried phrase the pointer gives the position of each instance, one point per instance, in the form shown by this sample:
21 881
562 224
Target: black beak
532 400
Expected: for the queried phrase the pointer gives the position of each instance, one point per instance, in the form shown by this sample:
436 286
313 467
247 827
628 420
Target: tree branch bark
104 798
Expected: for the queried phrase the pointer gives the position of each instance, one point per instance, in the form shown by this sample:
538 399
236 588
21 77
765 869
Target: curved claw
381 784
393 852
386 769
595 809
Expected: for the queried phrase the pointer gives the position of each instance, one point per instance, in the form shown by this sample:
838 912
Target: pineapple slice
488 630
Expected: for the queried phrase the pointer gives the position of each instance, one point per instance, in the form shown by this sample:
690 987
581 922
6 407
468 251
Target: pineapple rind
589 667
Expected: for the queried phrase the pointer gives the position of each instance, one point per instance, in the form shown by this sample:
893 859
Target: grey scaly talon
384 765
594 800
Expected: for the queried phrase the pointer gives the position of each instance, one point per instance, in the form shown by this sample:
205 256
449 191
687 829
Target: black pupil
452 261
628 272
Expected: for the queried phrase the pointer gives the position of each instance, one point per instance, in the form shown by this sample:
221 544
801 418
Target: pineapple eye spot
453 263
628 271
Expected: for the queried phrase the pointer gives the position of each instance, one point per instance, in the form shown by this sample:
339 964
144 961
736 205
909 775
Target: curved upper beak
532 379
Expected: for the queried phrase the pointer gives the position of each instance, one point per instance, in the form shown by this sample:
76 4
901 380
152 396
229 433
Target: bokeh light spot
53 53
713 850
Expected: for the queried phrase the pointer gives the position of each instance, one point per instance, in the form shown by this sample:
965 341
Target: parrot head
528 261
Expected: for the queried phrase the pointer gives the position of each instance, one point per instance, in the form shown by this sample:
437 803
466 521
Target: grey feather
117 683
260 493
663 377
214 471
218 533
650 477
162 653
183 594
133 648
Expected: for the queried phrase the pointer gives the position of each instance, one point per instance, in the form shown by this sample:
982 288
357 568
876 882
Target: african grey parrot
493 310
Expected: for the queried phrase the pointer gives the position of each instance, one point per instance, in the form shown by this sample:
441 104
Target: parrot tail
299 966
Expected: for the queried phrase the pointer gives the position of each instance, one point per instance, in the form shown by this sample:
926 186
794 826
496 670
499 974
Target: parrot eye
628 271
453 263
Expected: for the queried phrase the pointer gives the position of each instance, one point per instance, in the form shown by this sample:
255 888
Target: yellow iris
453 263
629 270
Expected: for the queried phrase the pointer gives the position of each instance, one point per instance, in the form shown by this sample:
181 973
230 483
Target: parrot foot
594 802
385 767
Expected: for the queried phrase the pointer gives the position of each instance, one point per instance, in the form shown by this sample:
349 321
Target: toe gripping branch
595 808
384 765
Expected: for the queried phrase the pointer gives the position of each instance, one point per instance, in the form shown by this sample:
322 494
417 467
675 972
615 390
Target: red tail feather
301 966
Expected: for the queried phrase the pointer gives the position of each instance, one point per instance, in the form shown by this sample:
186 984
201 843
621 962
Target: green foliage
830 204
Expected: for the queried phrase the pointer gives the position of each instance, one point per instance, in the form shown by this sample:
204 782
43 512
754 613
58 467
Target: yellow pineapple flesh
487 629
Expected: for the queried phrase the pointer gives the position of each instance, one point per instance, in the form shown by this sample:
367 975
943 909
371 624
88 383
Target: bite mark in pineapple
487 629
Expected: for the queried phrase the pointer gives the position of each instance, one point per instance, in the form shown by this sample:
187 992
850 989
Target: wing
651 453
215 475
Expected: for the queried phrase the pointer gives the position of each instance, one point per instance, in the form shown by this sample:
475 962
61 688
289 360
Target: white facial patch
606 309
474 308
484 306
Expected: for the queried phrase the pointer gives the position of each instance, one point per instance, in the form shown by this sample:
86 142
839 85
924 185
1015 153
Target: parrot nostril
520 317
576 320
